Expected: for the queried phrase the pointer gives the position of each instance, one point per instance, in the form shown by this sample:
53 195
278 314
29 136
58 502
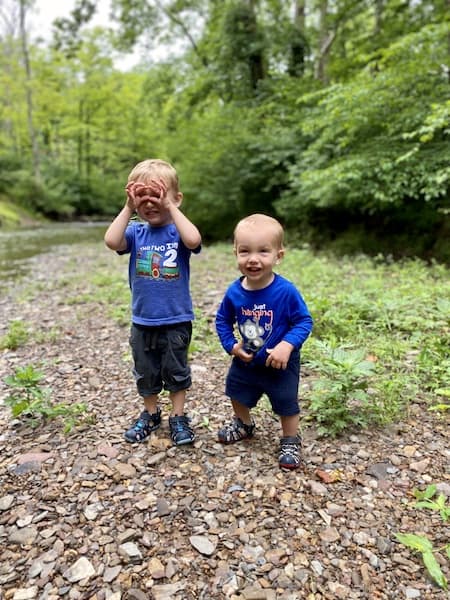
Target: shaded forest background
333 115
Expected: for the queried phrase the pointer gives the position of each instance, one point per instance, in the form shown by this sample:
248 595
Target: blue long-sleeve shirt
263 317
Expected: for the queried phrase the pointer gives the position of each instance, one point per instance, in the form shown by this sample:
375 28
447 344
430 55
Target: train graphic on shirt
152 264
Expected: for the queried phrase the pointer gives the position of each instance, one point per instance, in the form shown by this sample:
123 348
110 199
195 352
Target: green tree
378 144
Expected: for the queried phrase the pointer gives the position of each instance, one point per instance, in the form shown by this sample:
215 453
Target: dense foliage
331 114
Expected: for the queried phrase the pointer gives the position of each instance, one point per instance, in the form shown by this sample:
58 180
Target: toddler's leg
290 425
290 456
180 430
242 426
177 399
149 420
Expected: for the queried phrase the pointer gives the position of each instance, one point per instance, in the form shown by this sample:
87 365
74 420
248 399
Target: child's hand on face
129 189
138 192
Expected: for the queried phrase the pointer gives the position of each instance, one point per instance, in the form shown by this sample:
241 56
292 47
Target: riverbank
88 516
12 216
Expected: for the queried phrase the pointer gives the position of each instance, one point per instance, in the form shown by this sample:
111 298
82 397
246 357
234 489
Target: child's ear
178 199
280 255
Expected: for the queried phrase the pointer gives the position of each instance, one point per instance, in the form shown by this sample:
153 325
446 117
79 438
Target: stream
19 246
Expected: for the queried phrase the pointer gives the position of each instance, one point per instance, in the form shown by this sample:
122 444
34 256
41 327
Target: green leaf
439 407
18 408
416 542
426 504
428 493
434 569
445 513
443 392
441 501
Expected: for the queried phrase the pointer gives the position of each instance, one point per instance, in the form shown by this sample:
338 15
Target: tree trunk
256 58
448 46
80 140
326 38
298 45
29 94
379 6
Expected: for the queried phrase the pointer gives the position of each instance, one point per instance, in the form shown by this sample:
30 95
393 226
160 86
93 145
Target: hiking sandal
236 431
290 456
142 428
180 430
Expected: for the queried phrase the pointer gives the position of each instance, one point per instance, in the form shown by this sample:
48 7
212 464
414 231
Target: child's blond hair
258 221
154 168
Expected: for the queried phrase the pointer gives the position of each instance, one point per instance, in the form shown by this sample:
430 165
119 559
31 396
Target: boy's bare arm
189 233
115 234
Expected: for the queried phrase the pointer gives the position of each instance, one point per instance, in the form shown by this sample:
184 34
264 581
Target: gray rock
81 569
24 536
6 502
130 552
379 470
26 593
203 544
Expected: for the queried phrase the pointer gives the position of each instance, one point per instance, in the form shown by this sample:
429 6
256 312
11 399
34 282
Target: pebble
203 544
130 552
6 502
412 593
80 570
26 593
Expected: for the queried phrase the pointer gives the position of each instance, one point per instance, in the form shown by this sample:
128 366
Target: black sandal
290 456
236 431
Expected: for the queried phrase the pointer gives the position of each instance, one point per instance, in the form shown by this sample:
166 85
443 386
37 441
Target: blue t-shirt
158 275
263 317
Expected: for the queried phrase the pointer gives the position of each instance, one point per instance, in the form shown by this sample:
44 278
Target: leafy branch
422 544
28 398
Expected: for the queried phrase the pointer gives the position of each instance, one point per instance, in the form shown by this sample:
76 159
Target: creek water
18 247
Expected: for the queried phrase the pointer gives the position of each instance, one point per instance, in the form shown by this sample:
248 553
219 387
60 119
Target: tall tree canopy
325 113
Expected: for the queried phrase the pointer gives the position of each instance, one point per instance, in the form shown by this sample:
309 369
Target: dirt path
88 516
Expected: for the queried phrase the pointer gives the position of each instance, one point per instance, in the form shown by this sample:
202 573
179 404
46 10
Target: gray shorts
160 357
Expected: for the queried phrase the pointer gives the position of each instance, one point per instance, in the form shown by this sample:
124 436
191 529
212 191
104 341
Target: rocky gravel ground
86 515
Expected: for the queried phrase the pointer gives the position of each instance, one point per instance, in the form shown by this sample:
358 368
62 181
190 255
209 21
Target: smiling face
258 248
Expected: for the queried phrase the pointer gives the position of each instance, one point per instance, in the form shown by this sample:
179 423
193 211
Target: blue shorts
246 384
160 357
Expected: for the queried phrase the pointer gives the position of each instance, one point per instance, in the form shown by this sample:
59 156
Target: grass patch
17 335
